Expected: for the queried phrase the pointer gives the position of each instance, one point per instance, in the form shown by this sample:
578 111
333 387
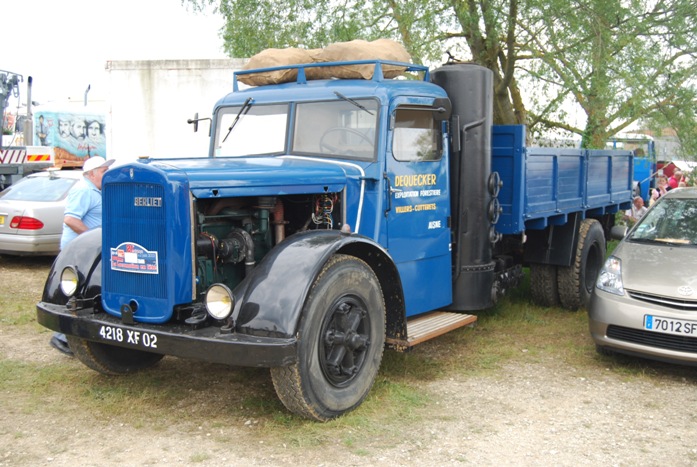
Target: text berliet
150 202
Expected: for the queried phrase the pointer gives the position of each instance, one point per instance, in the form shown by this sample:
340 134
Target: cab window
417 136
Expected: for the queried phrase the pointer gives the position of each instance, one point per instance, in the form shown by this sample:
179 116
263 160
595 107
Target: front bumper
207 344
616 324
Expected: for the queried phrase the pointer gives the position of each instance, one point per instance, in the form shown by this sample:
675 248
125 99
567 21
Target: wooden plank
430 325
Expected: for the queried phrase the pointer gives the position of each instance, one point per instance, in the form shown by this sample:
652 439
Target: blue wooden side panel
507 154
542 186
610 176
554 180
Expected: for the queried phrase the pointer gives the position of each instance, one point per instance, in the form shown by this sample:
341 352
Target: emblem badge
685 290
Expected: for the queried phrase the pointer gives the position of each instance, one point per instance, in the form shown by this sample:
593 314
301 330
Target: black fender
85 254
270 300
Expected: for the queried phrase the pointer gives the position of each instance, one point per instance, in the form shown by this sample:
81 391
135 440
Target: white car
645 299
31 212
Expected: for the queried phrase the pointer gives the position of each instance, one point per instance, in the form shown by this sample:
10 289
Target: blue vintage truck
332 218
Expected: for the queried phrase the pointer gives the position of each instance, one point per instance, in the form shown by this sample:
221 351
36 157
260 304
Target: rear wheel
340 342
109 359
543 285
576 282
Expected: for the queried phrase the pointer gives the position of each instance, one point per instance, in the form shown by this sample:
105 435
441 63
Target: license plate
2 220
679 327
127 336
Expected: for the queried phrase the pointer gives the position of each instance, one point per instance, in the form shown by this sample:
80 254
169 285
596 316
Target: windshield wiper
642 240
245 108
348 99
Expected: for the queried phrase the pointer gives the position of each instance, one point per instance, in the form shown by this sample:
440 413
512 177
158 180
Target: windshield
251 129
673 220
344 127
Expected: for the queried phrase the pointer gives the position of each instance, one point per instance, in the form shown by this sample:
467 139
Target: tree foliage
619 61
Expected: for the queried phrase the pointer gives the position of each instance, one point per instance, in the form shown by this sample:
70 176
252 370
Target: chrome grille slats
669 302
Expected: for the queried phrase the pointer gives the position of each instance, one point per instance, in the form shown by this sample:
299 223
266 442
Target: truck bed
542 186
19 161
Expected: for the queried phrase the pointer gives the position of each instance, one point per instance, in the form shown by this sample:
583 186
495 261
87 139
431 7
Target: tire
340 342
543 285
576 282
109 359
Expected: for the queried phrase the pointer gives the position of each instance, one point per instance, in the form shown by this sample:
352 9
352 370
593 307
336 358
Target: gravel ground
537 413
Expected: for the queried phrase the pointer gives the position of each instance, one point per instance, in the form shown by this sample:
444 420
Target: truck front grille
125 221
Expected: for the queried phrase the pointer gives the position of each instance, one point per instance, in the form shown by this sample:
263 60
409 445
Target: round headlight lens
69 281
219 301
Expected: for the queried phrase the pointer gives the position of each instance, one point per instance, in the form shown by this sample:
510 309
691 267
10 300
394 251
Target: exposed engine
233 234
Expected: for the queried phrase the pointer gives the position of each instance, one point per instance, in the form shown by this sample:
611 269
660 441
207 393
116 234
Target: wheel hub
344 342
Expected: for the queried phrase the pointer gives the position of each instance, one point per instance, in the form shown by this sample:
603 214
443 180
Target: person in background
675 179
631 216
661 189
83 212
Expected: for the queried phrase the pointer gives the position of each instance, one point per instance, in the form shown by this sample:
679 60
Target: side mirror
195 121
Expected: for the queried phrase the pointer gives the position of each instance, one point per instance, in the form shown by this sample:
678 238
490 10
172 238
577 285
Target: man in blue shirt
83 212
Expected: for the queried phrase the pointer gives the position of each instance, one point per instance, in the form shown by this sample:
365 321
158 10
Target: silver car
31 212
645 299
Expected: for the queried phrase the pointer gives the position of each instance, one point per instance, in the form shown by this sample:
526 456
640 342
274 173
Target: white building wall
151 100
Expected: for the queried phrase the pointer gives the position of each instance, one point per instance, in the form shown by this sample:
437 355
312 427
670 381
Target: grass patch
196 396
21 288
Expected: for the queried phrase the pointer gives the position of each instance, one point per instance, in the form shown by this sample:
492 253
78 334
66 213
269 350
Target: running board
430 325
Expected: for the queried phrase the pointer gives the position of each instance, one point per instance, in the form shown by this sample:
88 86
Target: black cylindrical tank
470 88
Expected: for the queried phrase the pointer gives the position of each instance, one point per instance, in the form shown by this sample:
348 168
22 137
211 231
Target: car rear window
38 189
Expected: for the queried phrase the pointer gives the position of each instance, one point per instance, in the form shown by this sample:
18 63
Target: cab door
418 203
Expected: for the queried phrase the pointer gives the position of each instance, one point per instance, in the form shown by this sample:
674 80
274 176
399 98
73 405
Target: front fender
269 302
85 254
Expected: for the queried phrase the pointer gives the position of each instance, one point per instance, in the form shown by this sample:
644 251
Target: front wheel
340 342
109 359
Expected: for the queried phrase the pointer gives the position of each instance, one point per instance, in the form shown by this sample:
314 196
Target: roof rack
302 77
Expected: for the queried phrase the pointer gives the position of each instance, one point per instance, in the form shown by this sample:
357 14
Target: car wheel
576 282
109 359
340 342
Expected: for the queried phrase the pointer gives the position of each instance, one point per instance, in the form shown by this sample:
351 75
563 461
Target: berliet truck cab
331 218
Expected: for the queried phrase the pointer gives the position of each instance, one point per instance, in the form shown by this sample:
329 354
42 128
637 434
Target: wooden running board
430 325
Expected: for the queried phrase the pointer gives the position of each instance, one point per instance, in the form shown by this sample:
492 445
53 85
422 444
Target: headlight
219 301
610 277
69 281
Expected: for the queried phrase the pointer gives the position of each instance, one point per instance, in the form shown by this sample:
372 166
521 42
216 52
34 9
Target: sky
64 45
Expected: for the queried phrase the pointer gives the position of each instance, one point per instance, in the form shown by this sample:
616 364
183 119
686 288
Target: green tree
620 61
